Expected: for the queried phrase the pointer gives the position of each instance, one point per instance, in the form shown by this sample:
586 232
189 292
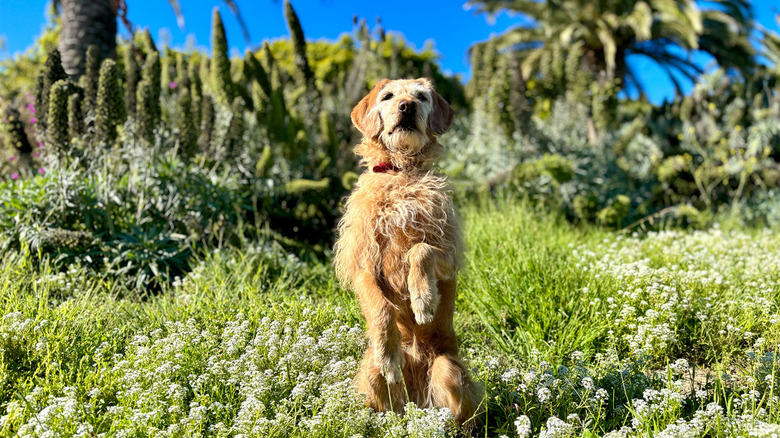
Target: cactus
204 72
235 131
148 98
57 131
277 126
303 72
329 135
14 129
145 110
258 72
264 162
206 123
53 72
145 42
132 77
300 186
348 179
75 115
91 77
188 135
110 110
221 83
166 78
196 91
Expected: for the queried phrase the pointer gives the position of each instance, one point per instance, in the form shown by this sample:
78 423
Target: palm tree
610 31
87 22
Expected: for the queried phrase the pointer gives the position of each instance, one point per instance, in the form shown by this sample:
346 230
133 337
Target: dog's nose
406 106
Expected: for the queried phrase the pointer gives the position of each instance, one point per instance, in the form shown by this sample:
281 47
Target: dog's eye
388 96
421 96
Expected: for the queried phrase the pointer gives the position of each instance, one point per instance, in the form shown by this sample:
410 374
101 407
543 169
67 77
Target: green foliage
207 123
221 84
235 132
110 110
91 79
13 131
185 123
132 77
57 131
148 97
75 114
52 73
303 72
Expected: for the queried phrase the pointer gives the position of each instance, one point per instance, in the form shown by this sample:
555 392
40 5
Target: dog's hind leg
451 387
421 282
380 395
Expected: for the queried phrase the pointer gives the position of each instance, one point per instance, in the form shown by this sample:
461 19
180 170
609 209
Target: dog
399 249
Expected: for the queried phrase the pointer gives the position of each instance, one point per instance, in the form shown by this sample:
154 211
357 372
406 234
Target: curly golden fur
399 250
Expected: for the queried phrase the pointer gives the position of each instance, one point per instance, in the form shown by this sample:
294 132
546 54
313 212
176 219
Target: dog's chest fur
387 214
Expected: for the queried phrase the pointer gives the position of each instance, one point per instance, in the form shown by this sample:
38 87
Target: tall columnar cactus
204 71
518 103
235 132
110 110
196 91
14 129
91 78
329 136
145 110
206 123
75 115
148 98
53 72
221 83
188 135
57 131
166 73
303 72
277 126
145 42
132 77
258 72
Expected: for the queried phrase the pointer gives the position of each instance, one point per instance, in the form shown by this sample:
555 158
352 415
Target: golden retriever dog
399 250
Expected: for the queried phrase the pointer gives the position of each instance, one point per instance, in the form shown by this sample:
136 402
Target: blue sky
451 27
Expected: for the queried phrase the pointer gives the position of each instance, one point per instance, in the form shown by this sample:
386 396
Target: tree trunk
86 22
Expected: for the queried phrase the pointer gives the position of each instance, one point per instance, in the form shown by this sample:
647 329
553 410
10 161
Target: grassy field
573 332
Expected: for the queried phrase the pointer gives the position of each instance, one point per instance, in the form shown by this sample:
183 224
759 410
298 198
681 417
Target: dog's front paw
424 307
391 364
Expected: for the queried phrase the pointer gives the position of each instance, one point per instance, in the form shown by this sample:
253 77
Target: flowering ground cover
572 331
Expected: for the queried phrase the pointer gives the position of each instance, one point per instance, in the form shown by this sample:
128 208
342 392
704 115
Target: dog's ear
441 116
364 118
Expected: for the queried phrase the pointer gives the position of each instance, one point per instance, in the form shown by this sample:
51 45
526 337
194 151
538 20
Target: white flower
523 425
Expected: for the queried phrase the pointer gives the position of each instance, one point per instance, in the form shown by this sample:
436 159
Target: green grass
573 331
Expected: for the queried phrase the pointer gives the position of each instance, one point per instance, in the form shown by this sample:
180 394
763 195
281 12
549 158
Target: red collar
384 167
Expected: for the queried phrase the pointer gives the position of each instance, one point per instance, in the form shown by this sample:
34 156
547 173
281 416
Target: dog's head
403 116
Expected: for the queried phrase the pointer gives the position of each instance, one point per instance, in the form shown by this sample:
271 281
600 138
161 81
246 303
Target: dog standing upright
399 250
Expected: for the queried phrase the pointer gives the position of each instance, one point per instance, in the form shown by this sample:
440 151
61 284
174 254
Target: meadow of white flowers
690 350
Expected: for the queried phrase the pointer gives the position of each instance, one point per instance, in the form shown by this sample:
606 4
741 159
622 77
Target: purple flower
15 176
12 158
41 170
172 85
32 120
36 154
40 143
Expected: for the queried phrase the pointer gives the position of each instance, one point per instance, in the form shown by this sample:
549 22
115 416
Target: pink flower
32 120
40 144
41 170
36 154
12 158
172 85
15 176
